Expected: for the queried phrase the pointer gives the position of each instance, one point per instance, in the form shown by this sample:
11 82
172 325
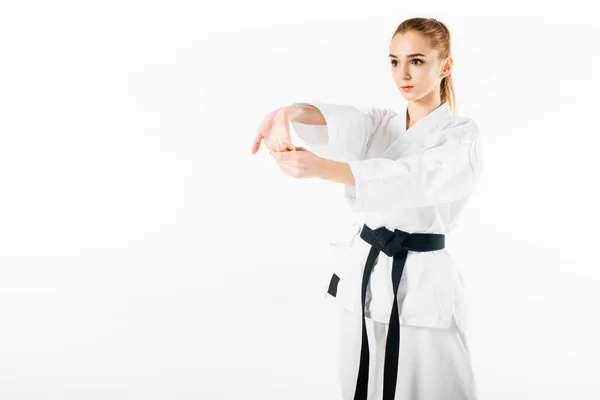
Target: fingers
265 127
278 156
256 142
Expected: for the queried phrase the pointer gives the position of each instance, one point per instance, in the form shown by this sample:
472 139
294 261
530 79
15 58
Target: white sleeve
442 173
347 133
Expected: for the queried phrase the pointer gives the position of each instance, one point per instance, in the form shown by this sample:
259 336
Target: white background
146 254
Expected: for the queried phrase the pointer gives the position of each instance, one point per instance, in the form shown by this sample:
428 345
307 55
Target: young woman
408 176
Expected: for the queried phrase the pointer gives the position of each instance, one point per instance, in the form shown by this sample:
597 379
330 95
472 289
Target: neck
418 109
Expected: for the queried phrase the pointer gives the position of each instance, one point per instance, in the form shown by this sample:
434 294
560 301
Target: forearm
305 114
327 169
335 171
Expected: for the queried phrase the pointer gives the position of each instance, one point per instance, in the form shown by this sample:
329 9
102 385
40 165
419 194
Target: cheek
432 75
423 74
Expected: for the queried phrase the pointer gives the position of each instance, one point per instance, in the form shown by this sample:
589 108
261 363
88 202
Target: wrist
293 112
335 171
323 168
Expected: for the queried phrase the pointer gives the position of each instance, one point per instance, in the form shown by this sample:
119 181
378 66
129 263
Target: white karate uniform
415 180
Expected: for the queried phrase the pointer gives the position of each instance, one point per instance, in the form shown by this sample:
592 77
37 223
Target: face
423 72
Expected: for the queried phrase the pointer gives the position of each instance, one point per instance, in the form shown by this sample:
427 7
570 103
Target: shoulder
380 112
465 123
461 127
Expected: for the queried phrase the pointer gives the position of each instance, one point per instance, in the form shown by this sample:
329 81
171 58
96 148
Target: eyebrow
409 55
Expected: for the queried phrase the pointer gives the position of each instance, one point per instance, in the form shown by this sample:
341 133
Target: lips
404 87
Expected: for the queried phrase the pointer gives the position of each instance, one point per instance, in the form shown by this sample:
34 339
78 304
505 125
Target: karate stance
408 177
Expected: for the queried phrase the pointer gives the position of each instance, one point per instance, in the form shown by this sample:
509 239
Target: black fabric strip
333 284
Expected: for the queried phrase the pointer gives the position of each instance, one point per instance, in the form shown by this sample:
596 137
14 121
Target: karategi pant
400 362
433 364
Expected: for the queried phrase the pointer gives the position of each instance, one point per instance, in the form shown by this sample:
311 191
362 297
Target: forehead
409 43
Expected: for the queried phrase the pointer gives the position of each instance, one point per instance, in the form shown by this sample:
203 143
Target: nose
404 70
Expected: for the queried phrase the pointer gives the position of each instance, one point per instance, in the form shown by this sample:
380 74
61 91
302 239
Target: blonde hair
439 36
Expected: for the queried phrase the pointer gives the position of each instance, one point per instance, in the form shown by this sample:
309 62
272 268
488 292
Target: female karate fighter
408 177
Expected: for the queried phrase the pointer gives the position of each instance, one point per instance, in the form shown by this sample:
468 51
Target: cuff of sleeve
342 132
362 184
328 110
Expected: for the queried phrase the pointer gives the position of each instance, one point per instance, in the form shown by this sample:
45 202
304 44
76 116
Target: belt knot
389 242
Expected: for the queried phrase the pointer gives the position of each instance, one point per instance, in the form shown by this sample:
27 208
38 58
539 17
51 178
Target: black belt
394 244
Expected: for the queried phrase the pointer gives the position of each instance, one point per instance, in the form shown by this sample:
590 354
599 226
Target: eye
395 62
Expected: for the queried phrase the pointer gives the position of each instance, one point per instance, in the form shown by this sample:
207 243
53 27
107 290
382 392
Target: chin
409 95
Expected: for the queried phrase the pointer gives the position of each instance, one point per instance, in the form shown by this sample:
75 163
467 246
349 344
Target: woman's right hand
275 131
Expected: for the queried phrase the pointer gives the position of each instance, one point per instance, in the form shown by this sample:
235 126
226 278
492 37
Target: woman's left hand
299 163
